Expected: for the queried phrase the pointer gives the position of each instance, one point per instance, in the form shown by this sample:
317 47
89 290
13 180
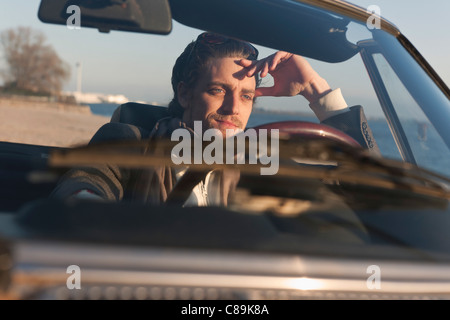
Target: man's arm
332 110
293 75
105 182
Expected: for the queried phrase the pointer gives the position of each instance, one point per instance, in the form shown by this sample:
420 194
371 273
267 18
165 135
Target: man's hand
292 75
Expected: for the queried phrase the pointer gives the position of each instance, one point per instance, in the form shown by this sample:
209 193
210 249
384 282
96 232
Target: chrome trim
43 265
54 276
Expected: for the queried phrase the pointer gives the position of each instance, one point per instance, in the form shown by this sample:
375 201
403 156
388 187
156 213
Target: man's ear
183 95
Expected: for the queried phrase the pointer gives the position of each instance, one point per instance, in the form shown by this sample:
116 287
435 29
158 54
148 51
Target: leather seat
139 114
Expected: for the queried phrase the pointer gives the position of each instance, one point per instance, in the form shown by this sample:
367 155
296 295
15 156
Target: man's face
222 97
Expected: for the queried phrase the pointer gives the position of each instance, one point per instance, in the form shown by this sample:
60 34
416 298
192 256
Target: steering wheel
303 129
310 130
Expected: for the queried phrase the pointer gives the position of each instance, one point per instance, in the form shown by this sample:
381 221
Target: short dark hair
194 58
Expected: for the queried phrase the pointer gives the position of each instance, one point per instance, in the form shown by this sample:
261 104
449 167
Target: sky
111 67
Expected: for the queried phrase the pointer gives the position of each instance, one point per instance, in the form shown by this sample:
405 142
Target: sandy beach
50 124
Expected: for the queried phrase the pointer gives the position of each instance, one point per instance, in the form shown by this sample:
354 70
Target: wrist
316 89
329 105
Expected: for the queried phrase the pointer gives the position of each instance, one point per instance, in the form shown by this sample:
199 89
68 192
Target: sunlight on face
222 97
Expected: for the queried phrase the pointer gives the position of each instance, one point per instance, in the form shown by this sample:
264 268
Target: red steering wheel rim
310 130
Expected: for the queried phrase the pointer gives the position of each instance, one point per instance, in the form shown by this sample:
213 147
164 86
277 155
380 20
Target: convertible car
334 222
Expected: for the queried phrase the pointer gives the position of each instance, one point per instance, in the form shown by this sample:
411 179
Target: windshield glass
358 149
98 90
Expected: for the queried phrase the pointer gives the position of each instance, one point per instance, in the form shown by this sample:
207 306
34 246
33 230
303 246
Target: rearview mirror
144 16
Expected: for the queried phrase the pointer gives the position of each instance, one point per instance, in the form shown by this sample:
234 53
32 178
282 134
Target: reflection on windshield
428 148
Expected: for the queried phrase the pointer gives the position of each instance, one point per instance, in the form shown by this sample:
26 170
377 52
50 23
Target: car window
422 135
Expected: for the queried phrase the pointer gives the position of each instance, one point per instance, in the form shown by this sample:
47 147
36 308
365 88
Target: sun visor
283 25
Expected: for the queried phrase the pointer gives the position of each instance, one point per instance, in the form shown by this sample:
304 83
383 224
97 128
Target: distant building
89 98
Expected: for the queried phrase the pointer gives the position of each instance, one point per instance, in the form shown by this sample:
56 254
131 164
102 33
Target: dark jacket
153 185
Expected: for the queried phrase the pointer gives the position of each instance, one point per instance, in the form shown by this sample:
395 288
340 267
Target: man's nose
231 104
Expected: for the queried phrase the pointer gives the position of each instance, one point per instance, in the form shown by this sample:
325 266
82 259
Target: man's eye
247 97
216 90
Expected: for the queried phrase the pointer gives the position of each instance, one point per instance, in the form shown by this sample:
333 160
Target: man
215 81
